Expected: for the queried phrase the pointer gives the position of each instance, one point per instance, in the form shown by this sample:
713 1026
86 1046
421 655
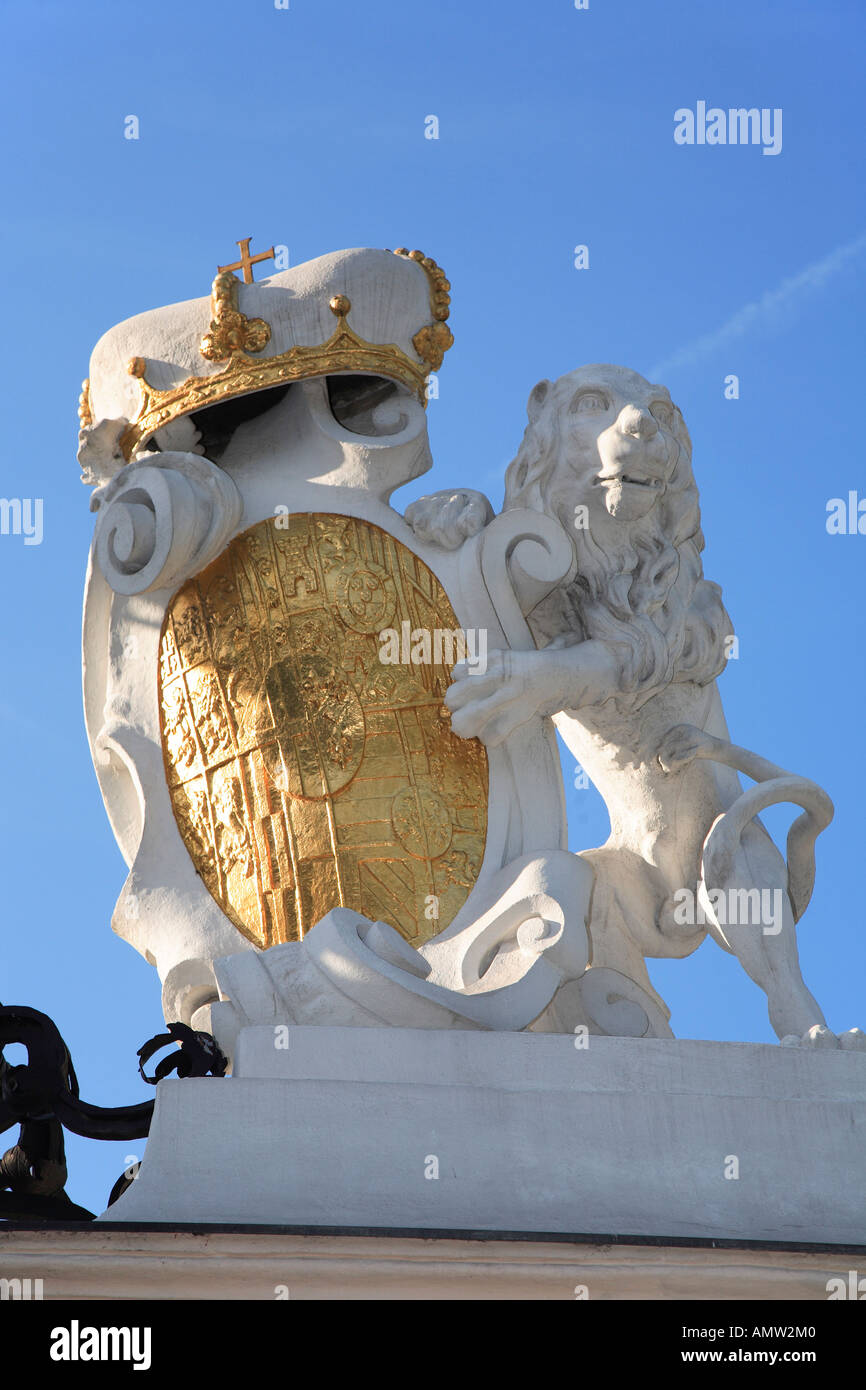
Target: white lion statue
628 655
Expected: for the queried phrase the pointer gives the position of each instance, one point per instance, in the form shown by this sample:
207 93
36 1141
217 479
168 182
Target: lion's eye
663 412
589 400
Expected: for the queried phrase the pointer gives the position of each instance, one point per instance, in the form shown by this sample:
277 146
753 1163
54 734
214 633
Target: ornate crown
385 301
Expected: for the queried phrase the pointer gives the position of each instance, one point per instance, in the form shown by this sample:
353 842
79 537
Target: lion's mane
647 593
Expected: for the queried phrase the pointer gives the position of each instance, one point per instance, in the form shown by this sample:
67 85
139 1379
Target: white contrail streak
763 312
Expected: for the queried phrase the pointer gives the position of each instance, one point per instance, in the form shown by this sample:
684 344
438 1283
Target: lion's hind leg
753 899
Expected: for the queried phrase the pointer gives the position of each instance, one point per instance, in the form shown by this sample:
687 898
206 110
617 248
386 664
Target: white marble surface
338 1126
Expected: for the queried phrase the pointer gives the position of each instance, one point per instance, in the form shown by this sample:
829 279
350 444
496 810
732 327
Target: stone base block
513 1132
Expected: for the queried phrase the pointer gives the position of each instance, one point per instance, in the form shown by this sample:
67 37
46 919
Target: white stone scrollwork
163 519
499 971
619 1007
524 555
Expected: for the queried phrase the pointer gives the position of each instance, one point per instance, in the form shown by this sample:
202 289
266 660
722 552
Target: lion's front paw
449 518
820 1036
681 745
491 704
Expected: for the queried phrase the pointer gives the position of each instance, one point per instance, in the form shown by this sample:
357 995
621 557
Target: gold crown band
343 352
232 336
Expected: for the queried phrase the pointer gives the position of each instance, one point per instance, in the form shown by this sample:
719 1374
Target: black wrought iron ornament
42 1097
197 1054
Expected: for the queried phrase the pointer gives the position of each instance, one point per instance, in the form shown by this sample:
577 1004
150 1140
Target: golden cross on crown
247 261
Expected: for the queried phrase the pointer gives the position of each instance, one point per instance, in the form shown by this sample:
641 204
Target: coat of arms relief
325 731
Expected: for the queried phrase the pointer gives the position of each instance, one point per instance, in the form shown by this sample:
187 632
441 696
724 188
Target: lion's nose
637 421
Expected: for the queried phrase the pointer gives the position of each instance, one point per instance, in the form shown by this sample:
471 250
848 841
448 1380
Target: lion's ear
537 397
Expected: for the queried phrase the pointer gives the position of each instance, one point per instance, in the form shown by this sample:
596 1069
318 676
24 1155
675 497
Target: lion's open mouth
640 482
629 479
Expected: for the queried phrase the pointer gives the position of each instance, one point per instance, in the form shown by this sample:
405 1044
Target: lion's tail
723 841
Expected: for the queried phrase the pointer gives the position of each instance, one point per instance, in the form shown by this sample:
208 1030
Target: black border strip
434 1233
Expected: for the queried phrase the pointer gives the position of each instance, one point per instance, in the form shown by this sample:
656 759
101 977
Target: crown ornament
230 330
235 340
433 340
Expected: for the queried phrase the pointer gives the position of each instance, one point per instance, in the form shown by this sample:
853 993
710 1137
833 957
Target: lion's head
608 454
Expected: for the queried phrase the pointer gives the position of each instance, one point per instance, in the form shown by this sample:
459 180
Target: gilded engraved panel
304 772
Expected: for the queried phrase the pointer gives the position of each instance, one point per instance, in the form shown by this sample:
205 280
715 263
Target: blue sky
305 127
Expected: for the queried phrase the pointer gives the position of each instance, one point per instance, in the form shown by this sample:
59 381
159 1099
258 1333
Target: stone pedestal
454 1131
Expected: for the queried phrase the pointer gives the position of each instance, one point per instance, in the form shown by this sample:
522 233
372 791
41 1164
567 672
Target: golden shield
307 768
